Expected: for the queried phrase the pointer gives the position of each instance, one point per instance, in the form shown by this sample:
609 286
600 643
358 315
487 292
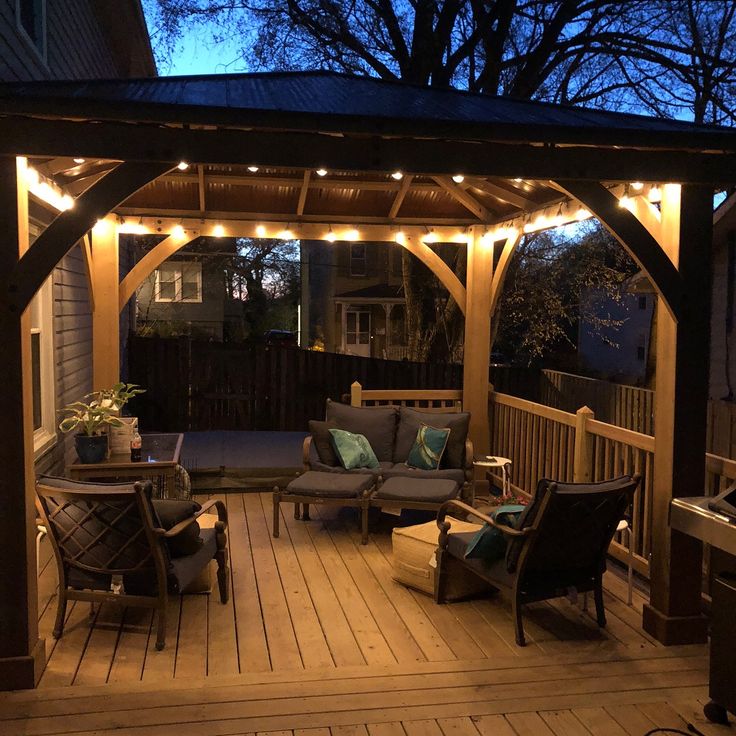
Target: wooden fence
198 385
545 442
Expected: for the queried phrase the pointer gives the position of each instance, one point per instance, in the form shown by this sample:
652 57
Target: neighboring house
58 39
353 299
187 295
619 352
723 310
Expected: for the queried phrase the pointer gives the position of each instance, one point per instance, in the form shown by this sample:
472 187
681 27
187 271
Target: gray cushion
183 570
457 544
331 485
401 470
416 489
323 442
377 424
410 420
375 472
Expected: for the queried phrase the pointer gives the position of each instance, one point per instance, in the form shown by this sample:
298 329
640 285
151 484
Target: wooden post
673 615
105 312
355 394
22 654
582 462
477 355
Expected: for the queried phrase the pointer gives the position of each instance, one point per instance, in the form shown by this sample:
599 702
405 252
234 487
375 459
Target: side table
488 462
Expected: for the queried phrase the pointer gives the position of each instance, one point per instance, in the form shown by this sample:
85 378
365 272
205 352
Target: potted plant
92 418
117 397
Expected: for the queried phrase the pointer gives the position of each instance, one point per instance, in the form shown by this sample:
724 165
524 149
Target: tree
668 57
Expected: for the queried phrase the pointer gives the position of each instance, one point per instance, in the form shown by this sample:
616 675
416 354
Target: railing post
356 394
582 463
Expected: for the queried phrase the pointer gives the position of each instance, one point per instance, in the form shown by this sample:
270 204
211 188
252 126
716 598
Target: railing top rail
556 415
619 434
720 465
576 377
411 394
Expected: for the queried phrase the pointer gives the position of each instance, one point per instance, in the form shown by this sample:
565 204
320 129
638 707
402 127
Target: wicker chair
560 542
109 545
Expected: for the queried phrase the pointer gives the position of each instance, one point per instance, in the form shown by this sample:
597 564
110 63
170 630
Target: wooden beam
460 195
477 350
149 263
303 192
502 268
400 195
673 614
505 195
22 655
201 190
86 248
438 267
61 235
642 247
21 135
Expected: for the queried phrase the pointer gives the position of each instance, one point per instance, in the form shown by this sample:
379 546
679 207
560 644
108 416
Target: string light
518 181
582 214
330 237
351 234
458 178
261 231
47 191
252 169
430 237
637 185
178 231
655 194
321 172
286 234
182 166
400 238
79 160
218 231
398 175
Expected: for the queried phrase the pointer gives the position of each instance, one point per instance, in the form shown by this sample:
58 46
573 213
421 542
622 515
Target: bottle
135 447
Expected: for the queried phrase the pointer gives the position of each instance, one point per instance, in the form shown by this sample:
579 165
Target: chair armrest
216 503
306 447
444 526
469 455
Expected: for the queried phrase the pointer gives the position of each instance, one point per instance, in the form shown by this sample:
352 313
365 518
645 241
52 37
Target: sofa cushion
428 448
377 424
410 420
170 512
375 472
331 485
353 450
420 490
322 442
402 470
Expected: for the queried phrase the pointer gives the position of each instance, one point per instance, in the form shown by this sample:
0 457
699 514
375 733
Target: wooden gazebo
332 157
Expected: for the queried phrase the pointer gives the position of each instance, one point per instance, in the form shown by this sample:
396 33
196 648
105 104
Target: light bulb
218 231
397 175
400 237
458 178
321 172
624 202
638 185
182 166
582 214
518 181
178 231
286 235
352 234
66 202
79 160
261 231
253 169
655 194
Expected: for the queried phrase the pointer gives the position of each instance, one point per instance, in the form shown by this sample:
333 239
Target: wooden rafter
303 192
465 199
499 192
400 195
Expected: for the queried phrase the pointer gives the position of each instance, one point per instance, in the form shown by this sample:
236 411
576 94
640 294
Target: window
42 365
357 259
31 15
642 302
179 281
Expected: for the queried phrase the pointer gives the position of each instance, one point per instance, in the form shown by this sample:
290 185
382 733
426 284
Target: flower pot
91 448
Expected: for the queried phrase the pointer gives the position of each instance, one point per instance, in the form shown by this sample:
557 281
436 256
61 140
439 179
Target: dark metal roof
377 291
331 101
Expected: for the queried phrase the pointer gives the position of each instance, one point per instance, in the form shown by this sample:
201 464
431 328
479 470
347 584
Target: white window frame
178 268
41 53
41 312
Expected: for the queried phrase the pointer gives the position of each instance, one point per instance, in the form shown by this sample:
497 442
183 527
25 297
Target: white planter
120 436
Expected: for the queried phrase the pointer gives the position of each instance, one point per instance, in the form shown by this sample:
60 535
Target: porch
318 639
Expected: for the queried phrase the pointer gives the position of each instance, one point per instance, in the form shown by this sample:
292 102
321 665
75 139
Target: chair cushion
457 543
490 543
376 423
331 485
170 512
417 489
353 450
402 470
323 442
428 448
410 420
375 472
183 570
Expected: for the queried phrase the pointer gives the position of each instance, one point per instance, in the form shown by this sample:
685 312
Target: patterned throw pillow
353 450
428 448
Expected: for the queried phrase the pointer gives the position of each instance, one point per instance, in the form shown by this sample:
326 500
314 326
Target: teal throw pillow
489 543
428 448
353 450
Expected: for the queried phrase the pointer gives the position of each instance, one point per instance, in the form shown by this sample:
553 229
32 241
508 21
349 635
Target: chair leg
223 573
297 510
161 628
276 504
600 610
305 512
60 613
518 623
364 521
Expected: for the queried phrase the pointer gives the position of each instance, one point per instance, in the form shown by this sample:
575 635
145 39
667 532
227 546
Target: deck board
346 650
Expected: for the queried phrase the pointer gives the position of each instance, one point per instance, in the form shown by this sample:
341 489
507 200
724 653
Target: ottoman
414 561
336 489
415 493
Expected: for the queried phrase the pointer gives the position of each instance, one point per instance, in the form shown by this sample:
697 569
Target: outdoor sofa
391 431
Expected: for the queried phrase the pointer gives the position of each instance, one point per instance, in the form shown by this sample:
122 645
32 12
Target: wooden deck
318 639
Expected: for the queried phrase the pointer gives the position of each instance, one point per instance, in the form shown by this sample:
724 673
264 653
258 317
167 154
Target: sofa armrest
469 457
306 453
